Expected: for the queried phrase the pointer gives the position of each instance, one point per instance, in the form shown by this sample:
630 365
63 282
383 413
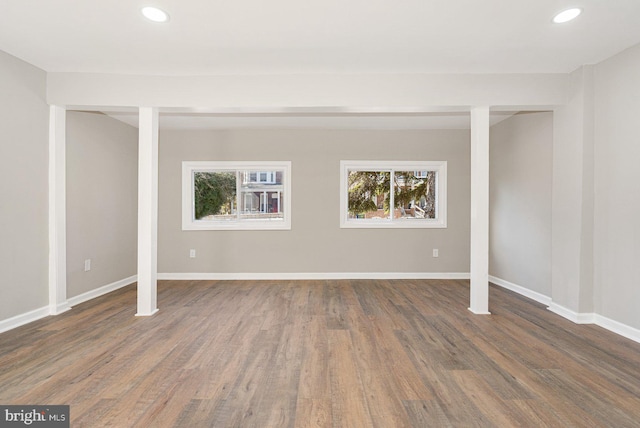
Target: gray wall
572 201
315 243
617 187
521 161
102 156
24 121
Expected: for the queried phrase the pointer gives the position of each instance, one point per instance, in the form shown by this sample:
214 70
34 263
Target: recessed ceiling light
567 15
154 14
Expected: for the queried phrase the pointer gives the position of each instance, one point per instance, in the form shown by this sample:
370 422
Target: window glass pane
222 195
398 194
215 195
369 194
414 194
262 195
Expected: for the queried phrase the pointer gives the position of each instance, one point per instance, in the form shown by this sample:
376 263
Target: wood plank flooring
401 353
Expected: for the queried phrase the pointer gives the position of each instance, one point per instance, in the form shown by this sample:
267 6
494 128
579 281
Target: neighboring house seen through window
236 195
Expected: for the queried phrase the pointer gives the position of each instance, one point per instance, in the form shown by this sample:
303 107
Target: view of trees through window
370 194
215 193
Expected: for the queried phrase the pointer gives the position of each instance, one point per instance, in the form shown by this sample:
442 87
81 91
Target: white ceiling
206 37
307 36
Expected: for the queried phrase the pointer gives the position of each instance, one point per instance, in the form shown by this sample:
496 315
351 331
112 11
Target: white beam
57 212
479 295
310 93
147 212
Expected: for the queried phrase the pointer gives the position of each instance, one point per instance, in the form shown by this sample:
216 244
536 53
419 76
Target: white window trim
188 203
441 194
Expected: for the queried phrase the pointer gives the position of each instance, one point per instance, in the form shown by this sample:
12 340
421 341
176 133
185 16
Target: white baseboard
247 276
617 327
22 319
60 308
533 295
599 320
101 291
576 317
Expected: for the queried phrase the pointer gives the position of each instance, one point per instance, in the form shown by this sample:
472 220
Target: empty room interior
320 214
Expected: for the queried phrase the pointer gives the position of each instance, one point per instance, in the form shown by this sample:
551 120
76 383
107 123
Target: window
236 195
393 194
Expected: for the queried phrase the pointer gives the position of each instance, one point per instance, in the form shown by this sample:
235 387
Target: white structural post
148 212
479 210
57 211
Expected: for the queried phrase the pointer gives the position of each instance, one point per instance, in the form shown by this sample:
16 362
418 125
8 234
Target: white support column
57 211
147 212
479 210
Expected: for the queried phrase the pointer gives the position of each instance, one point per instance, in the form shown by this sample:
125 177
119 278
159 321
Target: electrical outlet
87 265
192 254
435 252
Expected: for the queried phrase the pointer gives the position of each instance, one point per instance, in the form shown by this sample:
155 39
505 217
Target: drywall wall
521 161
315 243
572 198
24 121
102 168
617 188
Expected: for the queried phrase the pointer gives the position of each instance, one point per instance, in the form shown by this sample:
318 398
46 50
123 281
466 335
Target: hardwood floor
322 354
